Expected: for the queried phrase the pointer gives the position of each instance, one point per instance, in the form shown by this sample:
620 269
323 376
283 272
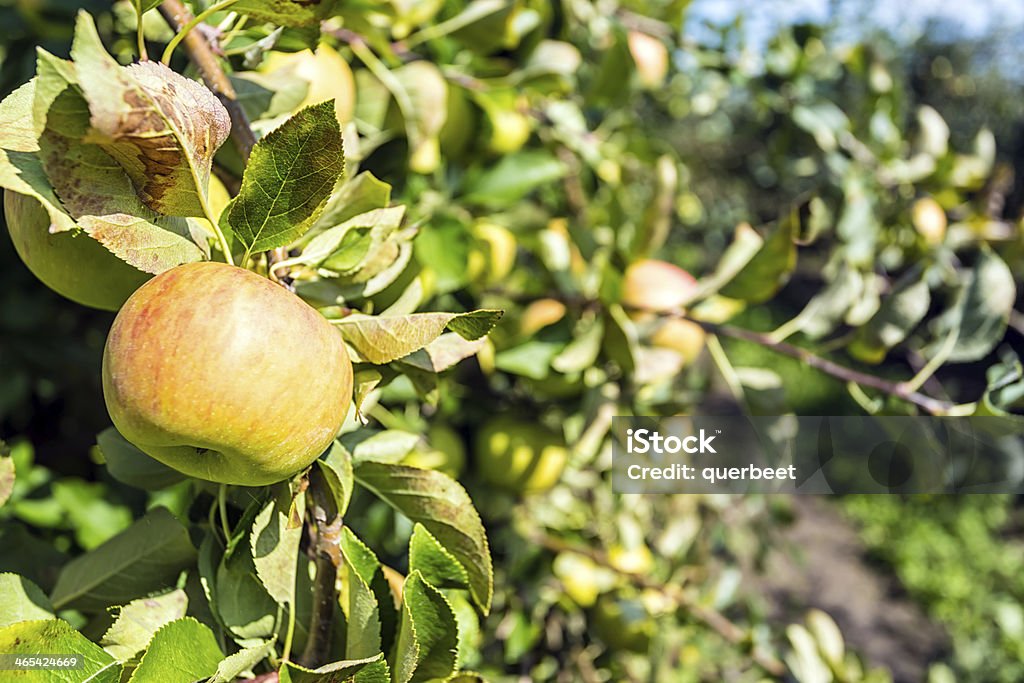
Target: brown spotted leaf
146 246
160 127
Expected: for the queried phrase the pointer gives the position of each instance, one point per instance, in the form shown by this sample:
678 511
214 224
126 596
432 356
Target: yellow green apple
520 456
225 376
70 263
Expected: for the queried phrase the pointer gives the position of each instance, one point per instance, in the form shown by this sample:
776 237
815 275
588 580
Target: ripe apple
225 376
656 286
70 263
520 456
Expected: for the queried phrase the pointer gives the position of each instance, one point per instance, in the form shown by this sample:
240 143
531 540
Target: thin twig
708 615
206 61
898 389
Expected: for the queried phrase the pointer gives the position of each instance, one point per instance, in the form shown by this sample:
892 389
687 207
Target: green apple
657 286
225 376
520 456
70 263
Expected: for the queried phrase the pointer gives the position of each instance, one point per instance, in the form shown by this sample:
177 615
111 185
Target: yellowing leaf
160 127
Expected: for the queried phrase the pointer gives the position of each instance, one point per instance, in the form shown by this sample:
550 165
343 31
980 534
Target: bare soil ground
822 564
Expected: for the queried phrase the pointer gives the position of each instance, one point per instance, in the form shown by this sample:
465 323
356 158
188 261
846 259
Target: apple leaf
276 534
182 651
239 599
336 467
421 92
160 127
21 169
390 445
58 637
344 248
288 180
285 12
980 312
444 352
92 186
129 465
232 666
362 618
143 558
382 339
21 600
364 565
338 672
440 504
136 241
771 266
514 177
428 639
437 566
360 194
899 314
139 620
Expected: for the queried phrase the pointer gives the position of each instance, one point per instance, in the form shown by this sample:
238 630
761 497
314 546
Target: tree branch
206 61
897 389
324 528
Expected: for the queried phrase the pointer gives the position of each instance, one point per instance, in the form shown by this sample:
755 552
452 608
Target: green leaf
21 170
276 534
141 243
239 598
143 558
382 339
160 127
422 95
445 509
980 312
345 247
899 314
139 620
335 672
363 613
390 445
58 637
337 470
437 566
129 465
514 177
182 651
771 266
531 359
582 352
21 600
358 195
232 666
288 180
444 352
745 245
143 6
285 12
428 638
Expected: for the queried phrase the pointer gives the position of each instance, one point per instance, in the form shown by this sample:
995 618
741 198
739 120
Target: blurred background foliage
545 147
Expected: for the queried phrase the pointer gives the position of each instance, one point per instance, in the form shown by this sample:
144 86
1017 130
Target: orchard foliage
411 170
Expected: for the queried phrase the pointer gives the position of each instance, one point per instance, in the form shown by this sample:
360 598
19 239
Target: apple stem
222 506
